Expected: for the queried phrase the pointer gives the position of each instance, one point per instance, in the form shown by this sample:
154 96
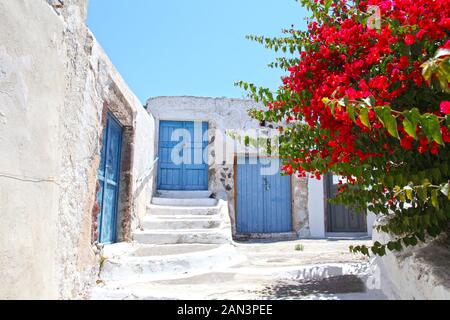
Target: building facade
260 204
58 94
82 161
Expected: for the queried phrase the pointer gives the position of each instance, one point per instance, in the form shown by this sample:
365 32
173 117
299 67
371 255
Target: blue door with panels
263 202
183 149
109 178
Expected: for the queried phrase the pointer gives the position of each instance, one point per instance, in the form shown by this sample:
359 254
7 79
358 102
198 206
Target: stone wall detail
56 84
223 116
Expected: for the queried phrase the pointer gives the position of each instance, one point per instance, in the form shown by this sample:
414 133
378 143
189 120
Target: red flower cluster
348 59
445 107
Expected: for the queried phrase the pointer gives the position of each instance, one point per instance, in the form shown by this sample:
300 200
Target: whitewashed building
260 205
85 165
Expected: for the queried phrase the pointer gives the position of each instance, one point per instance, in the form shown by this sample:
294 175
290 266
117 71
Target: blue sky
191 47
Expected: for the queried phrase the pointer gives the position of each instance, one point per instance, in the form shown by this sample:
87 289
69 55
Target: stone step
183 222
149 262
202 236
183 194
174 202
154 209
183 216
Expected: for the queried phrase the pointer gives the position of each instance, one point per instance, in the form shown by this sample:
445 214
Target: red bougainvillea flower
346 60
434 148
409 40
445 107
288 169
407 143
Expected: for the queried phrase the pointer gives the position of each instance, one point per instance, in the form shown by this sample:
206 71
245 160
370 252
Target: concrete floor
279 254
318 269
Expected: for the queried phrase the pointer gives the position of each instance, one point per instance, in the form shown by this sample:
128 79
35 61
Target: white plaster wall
226 114
32 91
144 134
54 82
316 208
144 167
416 273
371 219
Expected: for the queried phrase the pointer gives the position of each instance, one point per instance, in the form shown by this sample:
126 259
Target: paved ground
308 269
278 254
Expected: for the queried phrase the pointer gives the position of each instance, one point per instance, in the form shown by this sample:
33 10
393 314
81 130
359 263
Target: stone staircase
185 217
185 251
184 233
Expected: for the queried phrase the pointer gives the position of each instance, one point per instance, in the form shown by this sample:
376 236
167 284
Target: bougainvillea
367 97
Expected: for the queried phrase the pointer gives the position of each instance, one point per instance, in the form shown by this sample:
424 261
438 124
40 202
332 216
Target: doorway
186 140
341 219
109 179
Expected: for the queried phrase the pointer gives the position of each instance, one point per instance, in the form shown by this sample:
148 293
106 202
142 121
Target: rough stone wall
416 273
226 114
143 166
56 85
300 194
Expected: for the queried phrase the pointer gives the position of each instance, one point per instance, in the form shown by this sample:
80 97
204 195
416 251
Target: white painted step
185 222
184 216
148 262
154 209
204 236
202 202
183 194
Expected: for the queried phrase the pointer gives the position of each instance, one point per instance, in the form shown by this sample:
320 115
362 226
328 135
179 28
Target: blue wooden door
182 164
109 178
263 203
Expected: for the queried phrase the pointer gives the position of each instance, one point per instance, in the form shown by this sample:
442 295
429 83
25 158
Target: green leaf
445 189
364 117
391 246
388 120
328 5
422 193
436 174
412 118
428 69
398 246
410 128
443 79
402 196
409 192
432 127
351 112
365 250
434 198
333 108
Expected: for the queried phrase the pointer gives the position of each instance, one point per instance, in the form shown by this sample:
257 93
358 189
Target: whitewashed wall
55 85
316 208
416 273
226 114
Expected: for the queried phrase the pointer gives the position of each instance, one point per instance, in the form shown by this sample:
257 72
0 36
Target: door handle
266 184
